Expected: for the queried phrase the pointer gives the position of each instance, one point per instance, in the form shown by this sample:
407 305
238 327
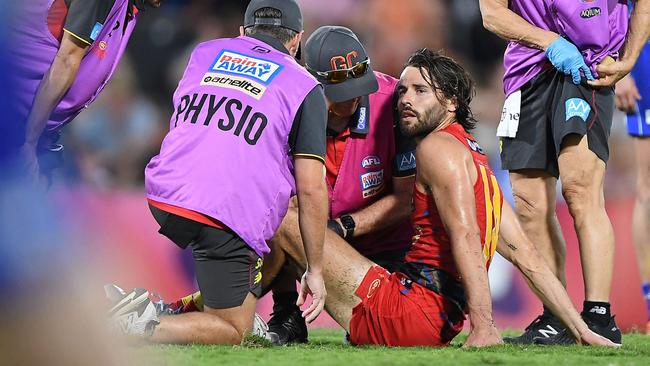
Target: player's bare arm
312 216
388 211
520 251
637 35
500 20
446 169
55 84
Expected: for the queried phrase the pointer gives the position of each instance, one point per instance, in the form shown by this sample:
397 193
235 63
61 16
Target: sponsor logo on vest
234 115
261 49
100 50
370 161
475 146
372 183
361 122
405 161
590 13
238 64
96 29
576 107
246 86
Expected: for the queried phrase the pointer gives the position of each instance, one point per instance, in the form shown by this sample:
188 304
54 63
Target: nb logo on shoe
548 332
598 310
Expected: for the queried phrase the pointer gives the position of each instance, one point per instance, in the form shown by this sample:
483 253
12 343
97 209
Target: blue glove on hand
565 56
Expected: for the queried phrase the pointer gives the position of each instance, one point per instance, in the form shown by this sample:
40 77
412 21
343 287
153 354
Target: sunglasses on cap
341 75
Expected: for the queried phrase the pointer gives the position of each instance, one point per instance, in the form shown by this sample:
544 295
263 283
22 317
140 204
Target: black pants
227 269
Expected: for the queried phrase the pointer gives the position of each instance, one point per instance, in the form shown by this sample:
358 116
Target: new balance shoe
133 314
287 324
609 331
544 326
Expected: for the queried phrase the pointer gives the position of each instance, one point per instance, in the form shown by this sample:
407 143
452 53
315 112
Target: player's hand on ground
593 339
312 284
483 336
627 94
565 57
610 72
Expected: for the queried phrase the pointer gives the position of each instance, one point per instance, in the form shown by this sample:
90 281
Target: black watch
348 225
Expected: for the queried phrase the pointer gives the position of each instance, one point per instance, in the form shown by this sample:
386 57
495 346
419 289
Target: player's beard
427 122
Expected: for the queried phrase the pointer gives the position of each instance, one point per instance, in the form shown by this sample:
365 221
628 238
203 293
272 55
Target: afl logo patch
370 161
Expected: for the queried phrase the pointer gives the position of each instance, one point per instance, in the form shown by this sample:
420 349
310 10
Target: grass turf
326 348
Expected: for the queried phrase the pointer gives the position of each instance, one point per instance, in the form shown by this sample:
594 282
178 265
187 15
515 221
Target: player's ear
452 104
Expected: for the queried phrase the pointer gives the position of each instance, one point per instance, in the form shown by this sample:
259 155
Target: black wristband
336 227
348 224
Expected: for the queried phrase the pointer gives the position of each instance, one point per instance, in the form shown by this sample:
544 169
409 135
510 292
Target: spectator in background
117 135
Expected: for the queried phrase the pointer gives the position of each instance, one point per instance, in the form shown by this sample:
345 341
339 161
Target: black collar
271 41
360 120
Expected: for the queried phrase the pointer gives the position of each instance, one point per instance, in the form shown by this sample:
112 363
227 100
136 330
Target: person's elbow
310 178
489 16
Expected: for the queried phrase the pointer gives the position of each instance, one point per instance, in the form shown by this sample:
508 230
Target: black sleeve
86 18
404 164
307 135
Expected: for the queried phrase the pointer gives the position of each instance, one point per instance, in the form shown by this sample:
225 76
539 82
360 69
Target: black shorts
227 269
552 107
391 260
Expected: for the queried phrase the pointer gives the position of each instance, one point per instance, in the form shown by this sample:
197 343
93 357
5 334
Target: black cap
291 15
330 48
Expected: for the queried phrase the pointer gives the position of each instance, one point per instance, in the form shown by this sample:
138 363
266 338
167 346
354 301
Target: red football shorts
393 312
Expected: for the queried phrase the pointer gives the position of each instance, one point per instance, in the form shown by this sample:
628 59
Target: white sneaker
134 314
261 329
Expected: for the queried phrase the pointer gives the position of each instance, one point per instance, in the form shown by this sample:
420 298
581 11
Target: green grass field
326 348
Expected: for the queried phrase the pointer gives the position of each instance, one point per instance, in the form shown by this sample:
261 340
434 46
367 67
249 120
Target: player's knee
579 196
529 209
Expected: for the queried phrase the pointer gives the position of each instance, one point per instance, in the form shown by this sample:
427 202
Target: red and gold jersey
431 245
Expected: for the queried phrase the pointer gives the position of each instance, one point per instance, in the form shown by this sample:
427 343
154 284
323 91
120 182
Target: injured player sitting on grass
460 219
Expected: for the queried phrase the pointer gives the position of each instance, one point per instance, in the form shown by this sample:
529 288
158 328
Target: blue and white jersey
638 123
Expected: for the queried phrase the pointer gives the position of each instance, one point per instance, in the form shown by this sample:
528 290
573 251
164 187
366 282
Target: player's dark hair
450 79
283 34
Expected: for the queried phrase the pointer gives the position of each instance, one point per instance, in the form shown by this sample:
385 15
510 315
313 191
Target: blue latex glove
565 56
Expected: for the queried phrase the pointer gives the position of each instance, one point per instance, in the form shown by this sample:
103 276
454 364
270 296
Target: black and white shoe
133 313
609 331
544 326
287 325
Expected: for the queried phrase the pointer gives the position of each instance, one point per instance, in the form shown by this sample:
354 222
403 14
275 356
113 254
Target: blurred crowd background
110 143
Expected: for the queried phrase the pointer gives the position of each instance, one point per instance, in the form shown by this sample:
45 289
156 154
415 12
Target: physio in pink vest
370 166
370 174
